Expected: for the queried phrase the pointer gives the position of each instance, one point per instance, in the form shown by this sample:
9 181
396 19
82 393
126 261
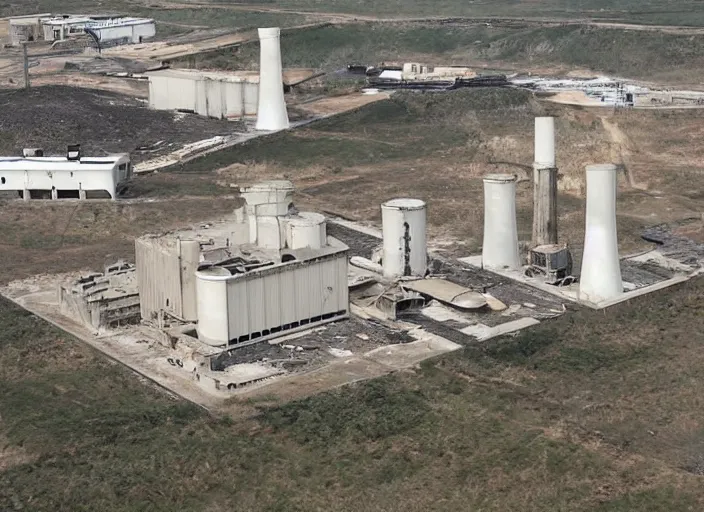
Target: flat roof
58 163
119 22
291 76
66 21
195 74
29 16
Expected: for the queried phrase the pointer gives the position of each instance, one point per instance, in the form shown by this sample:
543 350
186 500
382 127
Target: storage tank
271 111
306 230
405 246
213 316
600 278
269 198
500 247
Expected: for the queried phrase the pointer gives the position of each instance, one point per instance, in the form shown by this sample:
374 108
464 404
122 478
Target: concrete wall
25 30
273 300
166 277
207 96
132 32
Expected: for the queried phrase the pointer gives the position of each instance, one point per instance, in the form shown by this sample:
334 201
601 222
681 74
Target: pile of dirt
52 117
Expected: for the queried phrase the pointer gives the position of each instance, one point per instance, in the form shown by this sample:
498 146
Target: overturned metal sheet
448 293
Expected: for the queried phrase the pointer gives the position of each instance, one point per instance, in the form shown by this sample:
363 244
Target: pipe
500 247
600 278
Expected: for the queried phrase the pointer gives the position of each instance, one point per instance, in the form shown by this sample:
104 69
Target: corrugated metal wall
295 293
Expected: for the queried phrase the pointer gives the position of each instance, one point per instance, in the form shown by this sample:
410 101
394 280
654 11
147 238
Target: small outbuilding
72 176
26 29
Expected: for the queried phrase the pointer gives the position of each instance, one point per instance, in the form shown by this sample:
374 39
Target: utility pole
26 66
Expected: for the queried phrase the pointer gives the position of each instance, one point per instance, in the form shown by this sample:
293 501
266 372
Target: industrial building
208 93
228 95
107 300
122 30
34 176
418 71
26 29
112 31
269 271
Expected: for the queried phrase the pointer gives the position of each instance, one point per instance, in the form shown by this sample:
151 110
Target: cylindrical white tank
600 278
308 229
405 246
211 294
271 109
544 142
272 198
500 247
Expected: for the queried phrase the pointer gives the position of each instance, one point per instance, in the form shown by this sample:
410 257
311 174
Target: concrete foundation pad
483 332
571 292
427 345
138 349
143 349
339 373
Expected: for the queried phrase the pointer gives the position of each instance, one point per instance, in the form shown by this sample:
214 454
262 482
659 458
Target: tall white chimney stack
545 142
500 247
405 245
271 110
600 278
544 183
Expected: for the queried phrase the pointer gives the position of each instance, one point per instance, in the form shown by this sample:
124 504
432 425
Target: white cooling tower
544 142
271 110
600 278
500 247
405 246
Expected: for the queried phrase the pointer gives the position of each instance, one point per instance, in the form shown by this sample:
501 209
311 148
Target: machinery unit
554 262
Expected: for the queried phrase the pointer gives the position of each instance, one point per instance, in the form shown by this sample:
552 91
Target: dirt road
621 151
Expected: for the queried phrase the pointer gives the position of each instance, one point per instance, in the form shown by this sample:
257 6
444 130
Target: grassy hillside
646 55
682 12
595 411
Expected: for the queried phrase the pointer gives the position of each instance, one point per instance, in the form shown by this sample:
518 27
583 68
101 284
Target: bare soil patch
102 122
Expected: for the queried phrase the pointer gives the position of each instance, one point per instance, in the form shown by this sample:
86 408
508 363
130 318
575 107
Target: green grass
634 54
682 12
500 426
381 132
221 18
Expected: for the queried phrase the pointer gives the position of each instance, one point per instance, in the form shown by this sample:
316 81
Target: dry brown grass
43 237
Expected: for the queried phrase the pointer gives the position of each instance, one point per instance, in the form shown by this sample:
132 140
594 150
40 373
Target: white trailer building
65 177
126 30
129 30
212 94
